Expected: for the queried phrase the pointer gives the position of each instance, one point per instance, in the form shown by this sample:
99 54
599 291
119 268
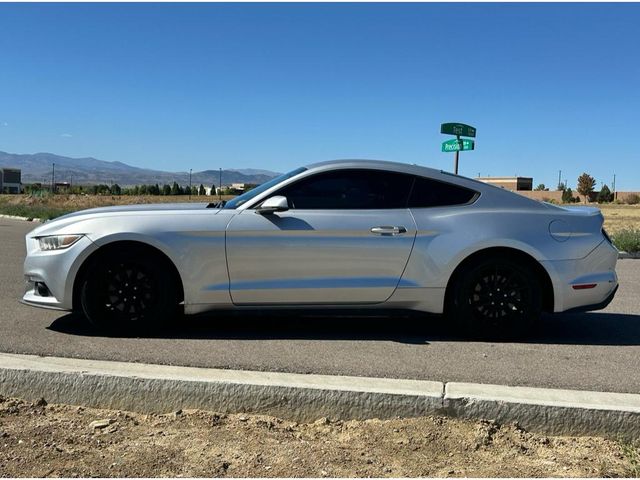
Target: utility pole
615 195
53 178
559 178
189 184
220 186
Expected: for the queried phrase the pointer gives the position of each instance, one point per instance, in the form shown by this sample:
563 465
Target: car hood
71 218
150 207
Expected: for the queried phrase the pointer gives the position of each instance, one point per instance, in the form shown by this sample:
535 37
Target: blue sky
179 86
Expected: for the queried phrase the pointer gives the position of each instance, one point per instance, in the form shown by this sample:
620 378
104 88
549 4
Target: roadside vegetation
627 240
41 440
46 206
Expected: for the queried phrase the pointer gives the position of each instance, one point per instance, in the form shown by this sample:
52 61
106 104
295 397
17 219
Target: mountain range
38 167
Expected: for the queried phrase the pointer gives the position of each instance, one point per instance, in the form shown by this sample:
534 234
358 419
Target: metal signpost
457 144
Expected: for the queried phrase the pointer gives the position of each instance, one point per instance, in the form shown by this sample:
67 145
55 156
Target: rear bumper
596 306
597 269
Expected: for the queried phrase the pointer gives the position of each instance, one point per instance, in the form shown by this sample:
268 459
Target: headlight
57 242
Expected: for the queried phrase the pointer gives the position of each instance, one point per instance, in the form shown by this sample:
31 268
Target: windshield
245 197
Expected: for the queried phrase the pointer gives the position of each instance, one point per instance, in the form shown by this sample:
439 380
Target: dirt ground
40 440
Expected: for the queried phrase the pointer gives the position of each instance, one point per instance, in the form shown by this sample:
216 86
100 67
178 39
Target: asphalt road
591 351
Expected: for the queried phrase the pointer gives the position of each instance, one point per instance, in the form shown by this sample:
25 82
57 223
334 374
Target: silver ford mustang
340 234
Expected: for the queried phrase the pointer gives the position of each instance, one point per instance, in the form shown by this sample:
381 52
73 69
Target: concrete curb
625 255
159 388
26 219
552 411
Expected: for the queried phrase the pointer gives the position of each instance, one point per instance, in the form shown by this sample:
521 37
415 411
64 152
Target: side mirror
272 205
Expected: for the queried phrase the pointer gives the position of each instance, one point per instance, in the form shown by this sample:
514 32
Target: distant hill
37 168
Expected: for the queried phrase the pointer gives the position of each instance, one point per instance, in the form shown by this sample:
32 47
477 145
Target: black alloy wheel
497 298
128 290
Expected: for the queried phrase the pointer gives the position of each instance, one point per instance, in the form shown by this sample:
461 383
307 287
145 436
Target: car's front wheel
496 298
127 290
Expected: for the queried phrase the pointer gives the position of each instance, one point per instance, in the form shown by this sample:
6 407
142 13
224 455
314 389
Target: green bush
34 211
627 240
604 195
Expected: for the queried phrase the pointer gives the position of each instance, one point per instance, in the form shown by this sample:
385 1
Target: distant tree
116 189
100 189
586 184
166 189
194 190
155 190
213 189
32 187
143 190
604 195
541 188
201 190
567 195
561 187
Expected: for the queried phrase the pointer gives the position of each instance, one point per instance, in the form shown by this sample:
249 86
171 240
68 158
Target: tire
130 290
496 298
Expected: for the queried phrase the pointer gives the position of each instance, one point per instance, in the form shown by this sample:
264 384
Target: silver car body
235 258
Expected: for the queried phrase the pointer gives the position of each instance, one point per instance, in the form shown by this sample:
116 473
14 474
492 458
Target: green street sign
455 145
458 129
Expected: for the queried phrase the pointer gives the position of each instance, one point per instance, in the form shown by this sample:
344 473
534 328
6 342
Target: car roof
377 164
493 191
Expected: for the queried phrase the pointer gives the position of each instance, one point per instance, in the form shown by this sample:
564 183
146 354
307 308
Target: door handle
388 230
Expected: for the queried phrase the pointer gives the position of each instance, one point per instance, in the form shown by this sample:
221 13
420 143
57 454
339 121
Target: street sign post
459 129
457 144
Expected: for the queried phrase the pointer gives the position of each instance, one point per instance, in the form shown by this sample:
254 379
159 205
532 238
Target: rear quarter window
427 192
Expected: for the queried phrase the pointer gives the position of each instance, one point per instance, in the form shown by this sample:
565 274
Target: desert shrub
627 240
633 199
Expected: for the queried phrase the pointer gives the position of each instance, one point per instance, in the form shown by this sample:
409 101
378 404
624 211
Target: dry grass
51 206
619 217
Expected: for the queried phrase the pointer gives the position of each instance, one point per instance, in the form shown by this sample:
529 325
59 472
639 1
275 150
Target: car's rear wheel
496 298
128 290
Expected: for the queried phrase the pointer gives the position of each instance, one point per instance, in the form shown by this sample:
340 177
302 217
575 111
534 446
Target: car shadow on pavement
403 327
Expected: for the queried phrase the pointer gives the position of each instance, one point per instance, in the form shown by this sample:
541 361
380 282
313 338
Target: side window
432 193
349 189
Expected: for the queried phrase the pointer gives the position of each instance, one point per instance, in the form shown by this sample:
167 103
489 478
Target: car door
345 239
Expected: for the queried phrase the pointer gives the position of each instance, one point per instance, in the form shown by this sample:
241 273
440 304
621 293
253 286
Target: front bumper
55 269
